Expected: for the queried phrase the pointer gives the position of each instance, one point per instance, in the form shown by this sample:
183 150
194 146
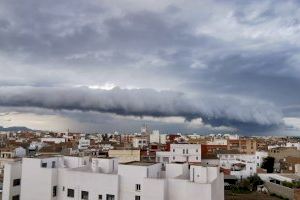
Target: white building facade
139 142
180 153
84 143
75 178
240 165
155 136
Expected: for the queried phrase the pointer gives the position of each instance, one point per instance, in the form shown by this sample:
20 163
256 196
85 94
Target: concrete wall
11 171
95 183
37 182
154 189
73 162
280 190
173 170
125 155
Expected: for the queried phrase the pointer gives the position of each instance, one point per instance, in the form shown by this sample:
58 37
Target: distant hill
15 128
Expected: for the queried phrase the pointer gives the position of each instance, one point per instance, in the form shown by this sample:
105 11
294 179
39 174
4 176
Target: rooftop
140 163
291 176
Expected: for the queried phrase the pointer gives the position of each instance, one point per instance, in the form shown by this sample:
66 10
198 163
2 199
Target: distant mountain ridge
15 128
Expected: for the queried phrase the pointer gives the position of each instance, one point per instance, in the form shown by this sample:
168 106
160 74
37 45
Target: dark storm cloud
141 102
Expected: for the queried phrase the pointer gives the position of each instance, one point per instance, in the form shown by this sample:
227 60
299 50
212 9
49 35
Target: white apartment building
75 178
163 138
260 155
155 137
217 141
84 143
180 153
139 142
290 144
242 165
231 137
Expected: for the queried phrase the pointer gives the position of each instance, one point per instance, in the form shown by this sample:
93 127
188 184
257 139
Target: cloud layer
232 63
141 102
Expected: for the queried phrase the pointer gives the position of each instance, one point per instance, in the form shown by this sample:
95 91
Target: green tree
255 181
268 164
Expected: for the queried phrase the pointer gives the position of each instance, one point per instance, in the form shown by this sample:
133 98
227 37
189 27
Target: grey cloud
142 102
223 51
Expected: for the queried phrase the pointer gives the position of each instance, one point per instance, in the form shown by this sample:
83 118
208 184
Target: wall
154 189
280 190
73 162
174 170
11 171
20 152
95 183
37 182
129 177
125 155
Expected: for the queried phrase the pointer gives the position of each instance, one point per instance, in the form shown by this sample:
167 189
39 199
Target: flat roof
203 164
291 176
137 163
44 156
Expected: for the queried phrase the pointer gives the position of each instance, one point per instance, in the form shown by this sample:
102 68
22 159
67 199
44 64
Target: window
16 197
138 187
173 157
54 191
173 150
53 164
137 197
17 182
196 157
110 197
44 165
63 189
197 150
187 151
84 195
183 151
100 197
70 193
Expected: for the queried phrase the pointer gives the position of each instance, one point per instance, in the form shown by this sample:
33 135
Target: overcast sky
180 66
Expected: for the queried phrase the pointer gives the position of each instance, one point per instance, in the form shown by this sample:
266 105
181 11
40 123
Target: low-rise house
239 165
180 153
84 143
139 142
288 164
280 153
12 152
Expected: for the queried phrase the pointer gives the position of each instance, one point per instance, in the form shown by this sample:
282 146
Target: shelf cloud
141 102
